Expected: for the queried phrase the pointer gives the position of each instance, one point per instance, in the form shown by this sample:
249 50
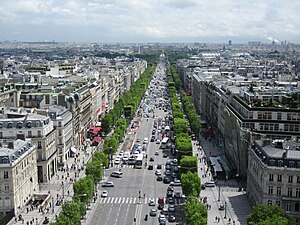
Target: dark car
151 159
159 178
166 180
165 155
158 166
169 193
150 167
171 218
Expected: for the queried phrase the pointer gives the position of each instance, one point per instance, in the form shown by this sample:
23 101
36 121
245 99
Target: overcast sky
150 20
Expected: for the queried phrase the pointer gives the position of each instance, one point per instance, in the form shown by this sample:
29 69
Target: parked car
153 212
104 194
108 184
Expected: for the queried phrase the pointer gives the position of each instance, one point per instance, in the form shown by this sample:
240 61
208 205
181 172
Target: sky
150 20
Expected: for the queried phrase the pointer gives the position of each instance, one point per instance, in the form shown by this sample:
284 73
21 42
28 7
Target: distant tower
1 66
229 42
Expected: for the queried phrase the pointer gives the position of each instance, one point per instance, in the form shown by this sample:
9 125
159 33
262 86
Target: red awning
97 139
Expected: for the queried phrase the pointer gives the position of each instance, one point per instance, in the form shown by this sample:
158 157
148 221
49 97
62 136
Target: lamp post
225 217
52 204
219 193
63 189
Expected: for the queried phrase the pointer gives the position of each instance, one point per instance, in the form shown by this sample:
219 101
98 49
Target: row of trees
195 211
84 190
125 107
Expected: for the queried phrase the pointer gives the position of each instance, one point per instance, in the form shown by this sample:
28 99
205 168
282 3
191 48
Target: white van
117 174
146 140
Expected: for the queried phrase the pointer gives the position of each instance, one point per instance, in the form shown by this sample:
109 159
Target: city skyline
150 21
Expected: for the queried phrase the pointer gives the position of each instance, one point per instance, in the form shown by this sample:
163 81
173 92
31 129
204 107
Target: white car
117 161
158 172
104 194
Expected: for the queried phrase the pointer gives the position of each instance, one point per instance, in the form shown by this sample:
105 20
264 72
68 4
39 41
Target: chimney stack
11 145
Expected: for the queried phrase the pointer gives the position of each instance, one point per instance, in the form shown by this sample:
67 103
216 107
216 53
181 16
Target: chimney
11 145
21 136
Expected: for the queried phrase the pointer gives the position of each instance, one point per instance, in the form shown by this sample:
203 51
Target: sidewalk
61 185
237 204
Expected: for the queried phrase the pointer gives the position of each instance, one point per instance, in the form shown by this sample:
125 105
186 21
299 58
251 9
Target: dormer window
20 125
1 125
37 124
10 125
280 163
291 164
272 162
29 124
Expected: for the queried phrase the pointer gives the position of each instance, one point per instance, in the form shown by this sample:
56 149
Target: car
161 200
161 217
166 180
165 155
151 159
150 167
117 161
104 194
168 162
156 153
159 178
174 175
171 208
210 184
168 173
170 188
151 202
108 184
177 194
153 212
158 172
164 211
169 193
157 141
170 200
160 206
162 222
158 166
176 169
171 218
138 140
175 182
168 167
175 161
152 139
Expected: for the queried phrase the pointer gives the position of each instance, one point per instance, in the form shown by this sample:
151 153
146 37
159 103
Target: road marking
127 199
134 200
112 200
104 200
130 201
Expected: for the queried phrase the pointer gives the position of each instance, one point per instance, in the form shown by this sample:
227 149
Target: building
274 174
18 174
42 133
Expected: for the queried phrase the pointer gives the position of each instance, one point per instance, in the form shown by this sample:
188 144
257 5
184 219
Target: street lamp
225 217
219 192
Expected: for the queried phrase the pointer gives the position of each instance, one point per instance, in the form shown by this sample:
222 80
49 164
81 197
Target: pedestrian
216 218
233 222
27 209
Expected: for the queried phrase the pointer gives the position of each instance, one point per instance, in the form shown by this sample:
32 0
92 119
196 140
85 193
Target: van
210 184
146 140
117 174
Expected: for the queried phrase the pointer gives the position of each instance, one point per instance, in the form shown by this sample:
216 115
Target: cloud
153 20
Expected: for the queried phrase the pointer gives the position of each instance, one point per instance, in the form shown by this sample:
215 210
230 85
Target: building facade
18 174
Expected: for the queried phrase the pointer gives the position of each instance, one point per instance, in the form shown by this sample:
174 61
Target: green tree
190 183
102 157
84 189
267 214
188 163
195 212
72 211
94 168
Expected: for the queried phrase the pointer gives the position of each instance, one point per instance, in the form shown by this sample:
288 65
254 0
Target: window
290 179
298 179
9 125
1 125
1 135
288 206
39 144
297 207
279 116
280 163
270 190
39 133
29 133
269 202
29 124
291 164
5 174
278 203
271 177
278 191
279 178
290 192
6 187
297 192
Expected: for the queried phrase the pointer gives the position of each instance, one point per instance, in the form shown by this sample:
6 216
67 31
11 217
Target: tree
190 183
188 163
94 168
102 157
195 212
71 213
268 214
84 189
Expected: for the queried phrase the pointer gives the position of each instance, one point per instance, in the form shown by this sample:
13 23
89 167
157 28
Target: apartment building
37 127
274 174
18 174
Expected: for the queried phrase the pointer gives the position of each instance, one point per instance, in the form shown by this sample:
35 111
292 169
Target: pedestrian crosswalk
126 200
132 166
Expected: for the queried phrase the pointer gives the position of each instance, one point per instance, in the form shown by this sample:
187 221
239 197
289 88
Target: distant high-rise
229 42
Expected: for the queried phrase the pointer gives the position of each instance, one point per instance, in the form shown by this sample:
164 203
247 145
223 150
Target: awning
97 139
73 149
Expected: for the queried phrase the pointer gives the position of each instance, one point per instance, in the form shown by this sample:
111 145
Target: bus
164 142
139 161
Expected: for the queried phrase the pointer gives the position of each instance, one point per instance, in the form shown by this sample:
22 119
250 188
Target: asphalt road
123 204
